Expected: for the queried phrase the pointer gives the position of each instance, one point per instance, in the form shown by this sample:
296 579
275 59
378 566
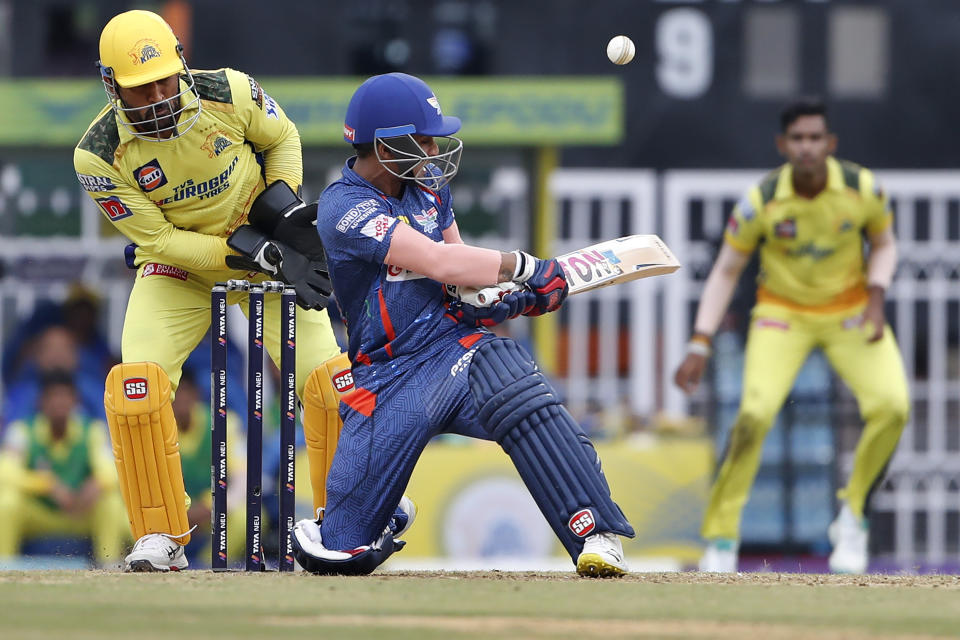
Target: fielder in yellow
816 291
176 161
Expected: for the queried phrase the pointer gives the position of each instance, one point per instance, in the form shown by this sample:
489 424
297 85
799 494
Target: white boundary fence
594 205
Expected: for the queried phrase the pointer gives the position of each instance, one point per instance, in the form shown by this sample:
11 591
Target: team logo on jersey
144 50
349 133
427 219
150 176
377 228
256 92
215 143
114 208
846 225
433 102
786 228
95 183
135 388
582 523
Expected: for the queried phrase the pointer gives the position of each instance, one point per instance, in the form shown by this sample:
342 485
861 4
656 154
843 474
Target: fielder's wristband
699 344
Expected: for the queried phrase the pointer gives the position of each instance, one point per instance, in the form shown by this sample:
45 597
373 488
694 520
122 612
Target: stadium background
562 148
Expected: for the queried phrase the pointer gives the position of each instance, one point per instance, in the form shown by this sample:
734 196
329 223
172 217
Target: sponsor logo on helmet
427 219
95 183
215 143
433 102
114 208
582 523
349 133
135 388
144 50
150 176
343 380
157 269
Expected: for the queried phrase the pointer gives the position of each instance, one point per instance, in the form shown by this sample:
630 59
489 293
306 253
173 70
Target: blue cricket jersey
391 314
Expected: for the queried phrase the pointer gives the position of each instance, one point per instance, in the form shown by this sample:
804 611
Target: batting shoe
602 557
720 556
850 536
403 516
156 552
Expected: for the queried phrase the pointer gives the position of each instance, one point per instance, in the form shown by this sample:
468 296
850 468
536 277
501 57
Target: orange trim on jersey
362 358
850 298
361 400
431 192
468 341
385 316
388 349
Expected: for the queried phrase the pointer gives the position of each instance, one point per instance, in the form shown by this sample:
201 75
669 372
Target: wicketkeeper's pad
321 420
143 432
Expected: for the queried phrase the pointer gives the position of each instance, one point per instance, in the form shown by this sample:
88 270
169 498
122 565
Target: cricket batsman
423 362
816 290
177 161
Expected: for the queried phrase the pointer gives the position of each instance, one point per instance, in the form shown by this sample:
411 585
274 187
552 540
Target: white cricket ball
620 50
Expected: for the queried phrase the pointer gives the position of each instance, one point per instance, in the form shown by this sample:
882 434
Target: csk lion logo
215 143
144 50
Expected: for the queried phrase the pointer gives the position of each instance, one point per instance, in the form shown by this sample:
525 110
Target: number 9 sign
684 41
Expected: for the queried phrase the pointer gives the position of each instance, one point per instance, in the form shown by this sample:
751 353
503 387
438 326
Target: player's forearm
187 249
719 289
882 262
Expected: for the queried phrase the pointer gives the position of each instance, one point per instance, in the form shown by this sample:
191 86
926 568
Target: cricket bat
599 265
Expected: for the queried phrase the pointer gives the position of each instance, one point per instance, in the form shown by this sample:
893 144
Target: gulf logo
150 176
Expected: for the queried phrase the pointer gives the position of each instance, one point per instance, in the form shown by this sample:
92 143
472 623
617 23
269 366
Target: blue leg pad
554 457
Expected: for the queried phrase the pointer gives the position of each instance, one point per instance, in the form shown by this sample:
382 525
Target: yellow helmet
136 48
139 47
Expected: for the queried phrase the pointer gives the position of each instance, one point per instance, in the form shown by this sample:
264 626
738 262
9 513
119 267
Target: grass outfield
201 604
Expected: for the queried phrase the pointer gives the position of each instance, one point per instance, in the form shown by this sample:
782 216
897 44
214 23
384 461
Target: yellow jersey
179 199
811 257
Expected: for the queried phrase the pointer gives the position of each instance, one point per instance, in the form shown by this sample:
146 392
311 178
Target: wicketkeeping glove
545 278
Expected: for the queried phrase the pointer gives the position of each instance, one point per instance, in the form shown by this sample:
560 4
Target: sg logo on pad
135 388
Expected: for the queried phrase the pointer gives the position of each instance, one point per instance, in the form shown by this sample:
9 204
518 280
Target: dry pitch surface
421 605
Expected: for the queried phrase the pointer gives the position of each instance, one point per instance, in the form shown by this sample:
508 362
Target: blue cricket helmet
395 104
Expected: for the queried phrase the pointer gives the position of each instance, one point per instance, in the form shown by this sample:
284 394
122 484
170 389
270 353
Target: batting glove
545 278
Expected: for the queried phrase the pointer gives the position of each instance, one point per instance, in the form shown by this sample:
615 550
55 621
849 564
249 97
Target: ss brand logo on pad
343 381
582 523
135 388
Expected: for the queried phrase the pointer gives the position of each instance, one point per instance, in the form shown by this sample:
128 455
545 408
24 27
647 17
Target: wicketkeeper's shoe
156 552
602 557
720 556
850 536
403 517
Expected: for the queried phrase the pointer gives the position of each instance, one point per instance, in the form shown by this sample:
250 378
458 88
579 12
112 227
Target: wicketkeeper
177 161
